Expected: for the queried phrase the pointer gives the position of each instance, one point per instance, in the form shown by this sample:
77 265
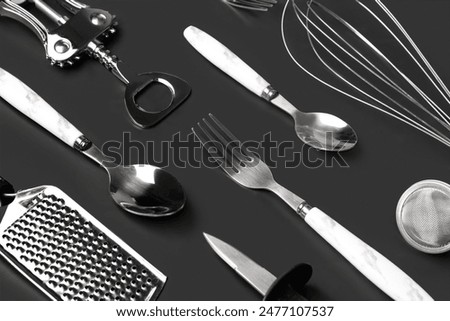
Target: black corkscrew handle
6 192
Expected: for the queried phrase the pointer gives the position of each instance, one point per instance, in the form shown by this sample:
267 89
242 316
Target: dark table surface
388 159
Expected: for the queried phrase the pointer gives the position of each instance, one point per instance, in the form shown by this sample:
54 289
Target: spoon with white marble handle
319 130
139 189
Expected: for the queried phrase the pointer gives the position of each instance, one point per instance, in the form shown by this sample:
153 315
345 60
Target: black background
388 159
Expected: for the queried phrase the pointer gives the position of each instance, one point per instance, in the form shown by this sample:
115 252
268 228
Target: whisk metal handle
377 268
25 100
224 59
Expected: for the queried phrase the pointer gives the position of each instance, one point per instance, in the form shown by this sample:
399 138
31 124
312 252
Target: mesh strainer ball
423 216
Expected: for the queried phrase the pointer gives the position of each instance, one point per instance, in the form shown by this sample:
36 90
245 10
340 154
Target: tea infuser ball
423 216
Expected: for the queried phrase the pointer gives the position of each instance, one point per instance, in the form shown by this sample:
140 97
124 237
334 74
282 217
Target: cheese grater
70 255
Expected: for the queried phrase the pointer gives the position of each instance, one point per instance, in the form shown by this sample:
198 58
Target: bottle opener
82 34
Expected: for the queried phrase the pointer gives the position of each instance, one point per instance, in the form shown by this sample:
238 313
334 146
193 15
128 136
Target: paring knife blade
254 274
288 287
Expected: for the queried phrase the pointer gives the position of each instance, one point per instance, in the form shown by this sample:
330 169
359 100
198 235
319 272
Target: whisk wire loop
363 66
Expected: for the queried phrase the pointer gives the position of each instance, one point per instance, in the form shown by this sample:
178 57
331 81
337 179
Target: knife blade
257 276
288 287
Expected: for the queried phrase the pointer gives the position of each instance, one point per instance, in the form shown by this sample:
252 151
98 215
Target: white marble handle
25 100
225 59
378 269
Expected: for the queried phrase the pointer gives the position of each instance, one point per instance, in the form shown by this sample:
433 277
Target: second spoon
139 189
319 130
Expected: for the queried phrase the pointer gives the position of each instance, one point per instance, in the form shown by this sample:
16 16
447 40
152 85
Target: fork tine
208 139
232 144
219 157
243 150
223 128
232 155
204 141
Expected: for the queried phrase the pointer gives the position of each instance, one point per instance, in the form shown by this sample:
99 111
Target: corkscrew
82 34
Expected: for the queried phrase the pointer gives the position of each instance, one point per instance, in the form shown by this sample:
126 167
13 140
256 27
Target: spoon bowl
140 189
319 130
324 131
146 190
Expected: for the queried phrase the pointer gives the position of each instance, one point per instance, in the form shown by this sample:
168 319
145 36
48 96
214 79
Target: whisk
256 5
362 56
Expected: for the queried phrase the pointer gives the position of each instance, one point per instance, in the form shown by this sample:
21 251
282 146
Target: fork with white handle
247 169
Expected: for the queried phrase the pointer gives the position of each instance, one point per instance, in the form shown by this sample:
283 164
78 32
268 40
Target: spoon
139 189
319 130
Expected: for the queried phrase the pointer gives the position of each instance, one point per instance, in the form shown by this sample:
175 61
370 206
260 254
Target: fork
257 5
247 169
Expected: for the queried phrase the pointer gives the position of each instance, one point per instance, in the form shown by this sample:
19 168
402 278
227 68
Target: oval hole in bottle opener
144 118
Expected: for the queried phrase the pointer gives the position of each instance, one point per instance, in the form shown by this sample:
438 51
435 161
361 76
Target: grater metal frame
26 200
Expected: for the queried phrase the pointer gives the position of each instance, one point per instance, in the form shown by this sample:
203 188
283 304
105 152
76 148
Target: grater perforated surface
73 258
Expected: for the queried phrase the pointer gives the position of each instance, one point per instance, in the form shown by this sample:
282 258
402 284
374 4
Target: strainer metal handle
378 269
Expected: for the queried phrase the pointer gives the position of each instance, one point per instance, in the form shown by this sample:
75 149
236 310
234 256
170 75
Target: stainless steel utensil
256 5
139 189
245 168
82 34
68 254
423 216
319 130
288 287
376 62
